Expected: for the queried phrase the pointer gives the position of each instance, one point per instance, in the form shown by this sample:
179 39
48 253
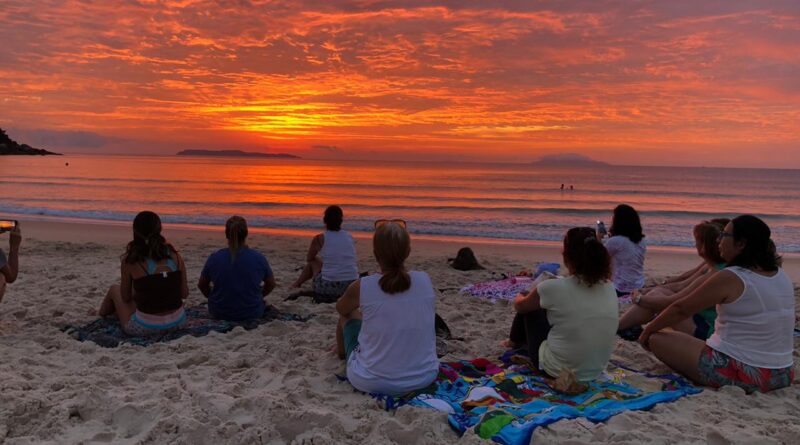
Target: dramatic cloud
653 82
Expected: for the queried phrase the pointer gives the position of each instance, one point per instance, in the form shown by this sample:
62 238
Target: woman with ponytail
149 300
386 325
570 323
236 280
752 345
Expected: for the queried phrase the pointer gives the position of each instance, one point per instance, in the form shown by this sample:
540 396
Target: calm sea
496 201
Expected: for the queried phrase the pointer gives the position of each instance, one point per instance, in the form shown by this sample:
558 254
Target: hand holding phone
601 228
8 225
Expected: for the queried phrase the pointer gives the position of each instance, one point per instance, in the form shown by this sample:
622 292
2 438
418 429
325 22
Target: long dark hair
626 222
392 245
759 250
147 240
585 256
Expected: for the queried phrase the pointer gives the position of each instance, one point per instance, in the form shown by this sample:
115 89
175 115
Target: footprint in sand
130 420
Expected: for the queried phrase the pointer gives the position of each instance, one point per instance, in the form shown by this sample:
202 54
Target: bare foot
509 344
92 312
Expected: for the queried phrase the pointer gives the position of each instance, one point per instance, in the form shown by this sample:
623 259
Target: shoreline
660 260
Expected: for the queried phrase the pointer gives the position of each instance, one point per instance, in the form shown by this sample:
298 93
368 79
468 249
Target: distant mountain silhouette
9 146
568 160
235 154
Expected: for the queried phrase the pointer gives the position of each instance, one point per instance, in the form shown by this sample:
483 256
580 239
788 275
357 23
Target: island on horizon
10 147
235 154
568 160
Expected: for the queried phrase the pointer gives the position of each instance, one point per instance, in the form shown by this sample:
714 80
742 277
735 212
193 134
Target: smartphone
601 228
7 225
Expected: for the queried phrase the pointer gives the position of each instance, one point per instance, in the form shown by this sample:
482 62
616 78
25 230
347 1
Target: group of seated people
728 321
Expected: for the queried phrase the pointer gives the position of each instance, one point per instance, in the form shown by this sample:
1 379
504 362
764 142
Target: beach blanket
505 402
108 333
505 289
508 288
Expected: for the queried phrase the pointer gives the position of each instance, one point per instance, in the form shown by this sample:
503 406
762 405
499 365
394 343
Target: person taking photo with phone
9 265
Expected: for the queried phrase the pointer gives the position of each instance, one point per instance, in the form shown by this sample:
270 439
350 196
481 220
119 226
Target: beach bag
465 260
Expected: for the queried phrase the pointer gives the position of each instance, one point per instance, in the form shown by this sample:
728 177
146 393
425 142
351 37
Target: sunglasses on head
399 222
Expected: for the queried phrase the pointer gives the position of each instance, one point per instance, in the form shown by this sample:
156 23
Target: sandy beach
276 384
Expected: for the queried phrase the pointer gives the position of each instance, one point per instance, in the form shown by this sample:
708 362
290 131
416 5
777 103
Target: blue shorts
350 333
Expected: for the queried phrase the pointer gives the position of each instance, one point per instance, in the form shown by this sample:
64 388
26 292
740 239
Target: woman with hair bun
386 325
331 261
570 323
752 345
236 280
149 300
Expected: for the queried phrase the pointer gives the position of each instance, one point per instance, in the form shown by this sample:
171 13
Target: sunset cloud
607 78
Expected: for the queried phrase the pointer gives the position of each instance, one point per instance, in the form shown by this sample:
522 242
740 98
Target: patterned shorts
719 369
329 291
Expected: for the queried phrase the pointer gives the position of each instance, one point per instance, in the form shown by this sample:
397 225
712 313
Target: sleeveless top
396 350
338 257
757 328
158 293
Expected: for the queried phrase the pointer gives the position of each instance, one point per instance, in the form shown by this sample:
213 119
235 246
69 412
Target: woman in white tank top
753 342
386 328
331 260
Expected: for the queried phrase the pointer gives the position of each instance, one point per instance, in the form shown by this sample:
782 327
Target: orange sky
665 83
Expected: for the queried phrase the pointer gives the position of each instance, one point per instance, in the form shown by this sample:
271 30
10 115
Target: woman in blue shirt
237 279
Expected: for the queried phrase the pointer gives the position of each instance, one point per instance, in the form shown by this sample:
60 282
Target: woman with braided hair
149 299
236 280
570 323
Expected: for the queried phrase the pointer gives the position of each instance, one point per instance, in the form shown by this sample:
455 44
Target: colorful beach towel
108 333
508 288
505 289
507 402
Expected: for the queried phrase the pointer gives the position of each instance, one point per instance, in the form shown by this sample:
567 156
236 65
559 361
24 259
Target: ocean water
494 201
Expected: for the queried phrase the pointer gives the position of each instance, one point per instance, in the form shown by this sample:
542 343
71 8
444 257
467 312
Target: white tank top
396 350
338 257
757 328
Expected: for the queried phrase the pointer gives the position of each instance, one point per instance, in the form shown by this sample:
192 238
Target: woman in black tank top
153 282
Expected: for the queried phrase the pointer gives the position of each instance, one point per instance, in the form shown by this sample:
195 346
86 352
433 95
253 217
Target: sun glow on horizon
651 83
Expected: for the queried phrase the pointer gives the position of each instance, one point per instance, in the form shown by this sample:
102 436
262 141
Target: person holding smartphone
9 265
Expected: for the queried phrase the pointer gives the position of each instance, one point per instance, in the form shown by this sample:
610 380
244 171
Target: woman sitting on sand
386 328
679 282
570 323
331 259
149 299
753 342
627 249
647 304
232 278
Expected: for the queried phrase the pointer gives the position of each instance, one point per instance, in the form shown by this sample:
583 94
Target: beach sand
276 384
